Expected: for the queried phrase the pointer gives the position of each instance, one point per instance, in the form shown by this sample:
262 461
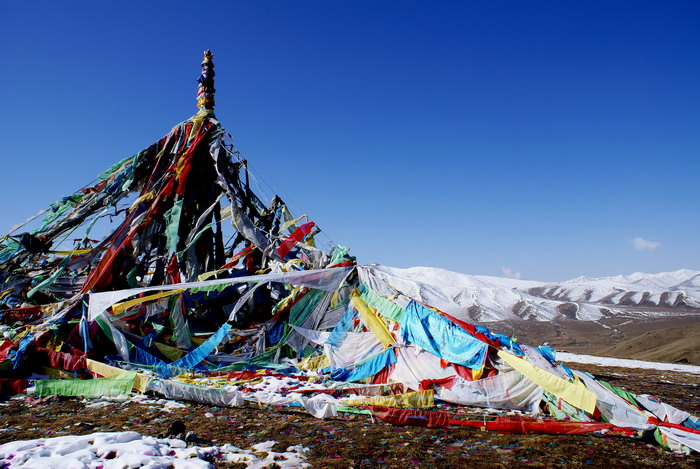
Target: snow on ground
626 363
164 405
131 449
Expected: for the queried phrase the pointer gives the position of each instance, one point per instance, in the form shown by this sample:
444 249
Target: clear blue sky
492 138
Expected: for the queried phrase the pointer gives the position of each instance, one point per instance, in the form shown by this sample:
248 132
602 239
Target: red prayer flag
294 238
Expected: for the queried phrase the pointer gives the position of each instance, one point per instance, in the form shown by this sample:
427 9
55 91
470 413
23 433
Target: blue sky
541 139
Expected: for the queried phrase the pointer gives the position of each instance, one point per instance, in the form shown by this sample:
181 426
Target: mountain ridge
480 298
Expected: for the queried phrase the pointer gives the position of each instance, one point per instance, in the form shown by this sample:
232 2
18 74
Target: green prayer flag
172 217
383 306
120 384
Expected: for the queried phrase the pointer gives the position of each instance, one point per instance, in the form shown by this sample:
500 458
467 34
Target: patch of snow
625 363
131 449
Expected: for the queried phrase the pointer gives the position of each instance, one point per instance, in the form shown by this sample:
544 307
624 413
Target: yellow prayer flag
420 399
376 325
124 305
108 371
574 393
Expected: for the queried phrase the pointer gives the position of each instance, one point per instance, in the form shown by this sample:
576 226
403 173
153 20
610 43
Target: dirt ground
358 440
620 336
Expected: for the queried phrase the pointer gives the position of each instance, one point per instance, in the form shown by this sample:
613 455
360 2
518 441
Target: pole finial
205 91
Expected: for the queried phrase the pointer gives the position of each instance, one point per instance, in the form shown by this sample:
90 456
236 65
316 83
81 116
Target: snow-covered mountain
483 299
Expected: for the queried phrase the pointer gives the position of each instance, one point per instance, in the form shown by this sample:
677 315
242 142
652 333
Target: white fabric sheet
354 348
663 411
317 337
414 364
273 391
689 439
190 392
509 390
297 340
539 361
321 279
617 410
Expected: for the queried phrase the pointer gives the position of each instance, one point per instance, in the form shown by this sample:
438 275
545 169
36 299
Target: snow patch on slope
625 363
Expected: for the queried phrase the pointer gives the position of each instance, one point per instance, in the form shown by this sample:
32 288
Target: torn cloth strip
116 335
247 228
181 329
142 357
312 335
119 308
303 308
196 356
441 337
242 301
294 238
46 282
172 218
312 321
238 256
233 261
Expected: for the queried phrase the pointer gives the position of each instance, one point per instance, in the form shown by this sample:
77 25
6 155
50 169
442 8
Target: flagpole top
205 91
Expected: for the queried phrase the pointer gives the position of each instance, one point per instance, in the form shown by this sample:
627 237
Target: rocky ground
359 440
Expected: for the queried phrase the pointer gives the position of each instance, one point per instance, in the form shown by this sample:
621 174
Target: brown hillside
674 345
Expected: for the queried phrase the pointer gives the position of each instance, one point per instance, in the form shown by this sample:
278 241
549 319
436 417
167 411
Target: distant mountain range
484 299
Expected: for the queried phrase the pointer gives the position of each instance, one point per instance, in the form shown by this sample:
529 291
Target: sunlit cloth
441 337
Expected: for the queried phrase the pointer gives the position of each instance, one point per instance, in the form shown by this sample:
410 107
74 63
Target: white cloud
641 244
508 272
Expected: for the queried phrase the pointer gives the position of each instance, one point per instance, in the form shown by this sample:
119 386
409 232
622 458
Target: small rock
176 428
